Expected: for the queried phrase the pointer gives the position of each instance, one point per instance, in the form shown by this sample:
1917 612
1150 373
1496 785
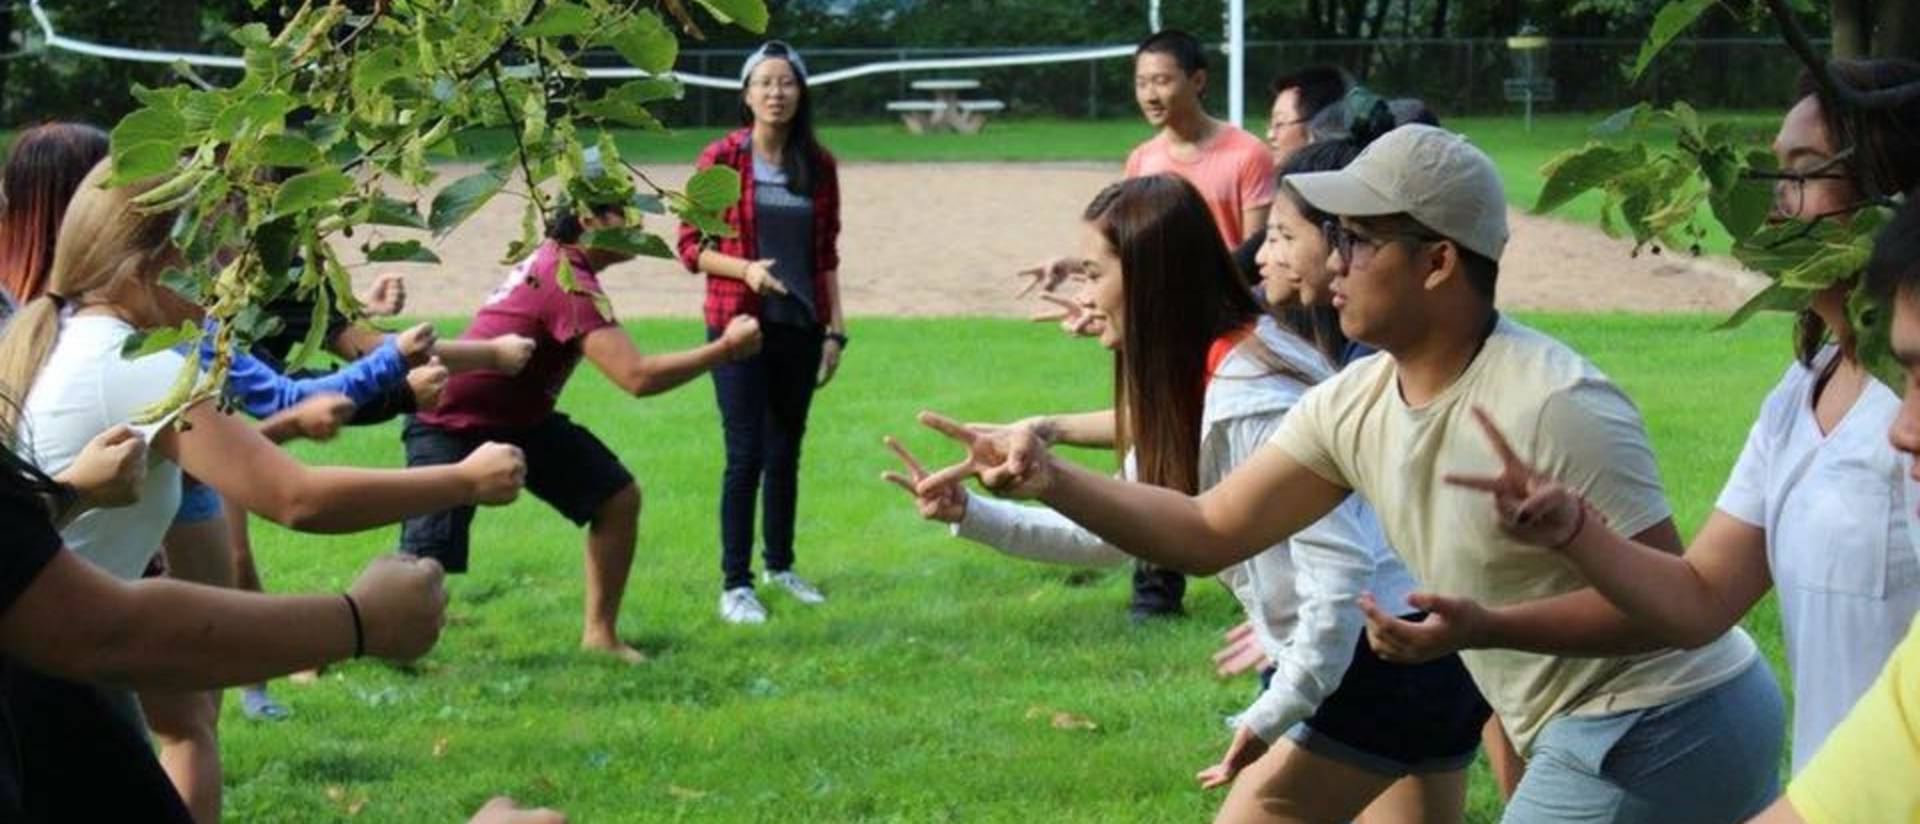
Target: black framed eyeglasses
1347 243
1790 187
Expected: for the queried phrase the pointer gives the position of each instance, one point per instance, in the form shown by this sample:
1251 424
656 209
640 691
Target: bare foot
614 647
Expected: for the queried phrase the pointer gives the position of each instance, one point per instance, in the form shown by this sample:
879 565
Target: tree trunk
1896 30
1849 28
1379 20
1356 17
1438 27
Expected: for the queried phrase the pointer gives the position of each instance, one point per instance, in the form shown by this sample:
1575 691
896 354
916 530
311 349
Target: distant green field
923 691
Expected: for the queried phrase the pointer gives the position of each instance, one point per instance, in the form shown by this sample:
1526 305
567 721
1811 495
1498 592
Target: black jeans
1156 590
763 408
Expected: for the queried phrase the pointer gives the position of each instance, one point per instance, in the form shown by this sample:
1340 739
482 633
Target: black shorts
1397 719
567 467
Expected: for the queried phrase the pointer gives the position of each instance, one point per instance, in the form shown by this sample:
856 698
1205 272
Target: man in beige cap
1644 734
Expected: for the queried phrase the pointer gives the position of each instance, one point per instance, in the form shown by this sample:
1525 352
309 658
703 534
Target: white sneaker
797 586
740 606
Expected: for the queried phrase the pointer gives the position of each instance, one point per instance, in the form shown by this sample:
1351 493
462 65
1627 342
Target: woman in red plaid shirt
781 265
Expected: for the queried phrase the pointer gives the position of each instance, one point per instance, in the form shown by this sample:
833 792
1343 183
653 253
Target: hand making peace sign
1076 317
1010 461
1049 274
1533 507
946 503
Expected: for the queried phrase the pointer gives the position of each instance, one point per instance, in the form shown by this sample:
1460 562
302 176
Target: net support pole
1237 62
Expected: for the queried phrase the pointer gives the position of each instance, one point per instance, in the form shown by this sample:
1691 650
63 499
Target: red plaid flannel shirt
727 297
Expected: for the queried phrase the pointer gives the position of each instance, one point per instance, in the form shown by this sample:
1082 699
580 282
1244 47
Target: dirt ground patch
945 238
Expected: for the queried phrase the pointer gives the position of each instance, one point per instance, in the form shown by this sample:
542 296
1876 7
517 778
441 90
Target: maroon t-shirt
530 302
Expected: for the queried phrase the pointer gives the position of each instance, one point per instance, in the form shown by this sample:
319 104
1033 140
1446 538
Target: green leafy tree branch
345 104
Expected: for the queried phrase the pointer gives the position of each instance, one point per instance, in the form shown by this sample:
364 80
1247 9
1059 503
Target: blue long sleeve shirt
261 390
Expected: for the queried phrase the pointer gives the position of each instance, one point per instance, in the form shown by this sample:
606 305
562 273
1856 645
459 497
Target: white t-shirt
1564 417
1836 513
84 389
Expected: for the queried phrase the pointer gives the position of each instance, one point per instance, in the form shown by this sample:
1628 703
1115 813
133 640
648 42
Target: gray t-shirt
784 222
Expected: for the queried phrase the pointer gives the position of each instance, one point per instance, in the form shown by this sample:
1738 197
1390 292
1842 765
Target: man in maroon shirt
567 466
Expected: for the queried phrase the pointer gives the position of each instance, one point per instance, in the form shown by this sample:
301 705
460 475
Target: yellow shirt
1868 771
1562 415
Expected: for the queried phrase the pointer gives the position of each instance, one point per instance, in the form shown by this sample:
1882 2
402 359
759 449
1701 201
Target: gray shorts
1712 757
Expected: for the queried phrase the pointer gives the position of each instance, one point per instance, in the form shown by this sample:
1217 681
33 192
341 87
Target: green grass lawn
922 692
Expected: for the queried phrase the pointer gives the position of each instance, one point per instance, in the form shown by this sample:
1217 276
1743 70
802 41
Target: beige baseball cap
1431 174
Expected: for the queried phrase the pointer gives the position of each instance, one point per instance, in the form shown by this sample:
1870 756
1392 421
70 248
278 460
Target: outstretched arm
167 634
640 374
1262 502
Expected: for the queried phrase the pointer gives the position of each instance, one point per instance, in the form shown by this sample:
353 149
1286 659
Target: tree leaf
1576 172
286 150
386 211
1673 18
1629 119
650 89
560 19
401 251
461 199
1777 297
714 188
627 240
142 344
374 70
646 42
1740 204
747 14
621 111
146 143
310 189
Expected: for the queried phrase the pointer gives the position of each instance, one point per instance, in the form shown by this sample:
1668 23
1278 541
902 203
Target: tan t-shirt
1562 415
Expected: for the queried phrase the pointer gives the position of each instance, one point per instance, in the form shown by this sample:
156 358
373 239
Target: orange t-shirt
1233 172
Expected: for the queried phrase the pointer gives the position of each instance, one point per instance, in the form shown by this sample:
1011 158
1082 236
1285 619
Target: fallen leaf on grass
1063 720
440 747
351 803
684 793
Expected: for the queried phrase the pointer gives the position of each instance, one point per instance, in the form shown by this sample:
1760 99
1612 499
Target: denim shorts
1707 758
1397 719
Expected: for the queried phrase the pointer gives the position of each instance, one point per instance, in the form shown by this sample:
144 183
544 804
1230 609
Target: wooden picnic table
946 111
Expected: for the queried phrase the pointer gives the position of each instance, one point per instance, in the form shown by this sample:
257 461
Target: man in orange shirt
1232 169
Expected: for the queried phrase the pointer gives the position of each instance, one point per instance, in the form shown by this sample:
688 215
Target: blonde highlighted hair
104 239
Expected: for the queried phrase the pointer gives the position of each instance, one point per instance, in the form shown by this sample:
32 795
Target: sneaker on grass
740 606
797 586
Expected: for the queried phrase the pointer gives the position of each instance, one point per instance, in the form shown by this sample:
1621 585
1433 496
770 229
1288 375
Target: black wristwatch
839 338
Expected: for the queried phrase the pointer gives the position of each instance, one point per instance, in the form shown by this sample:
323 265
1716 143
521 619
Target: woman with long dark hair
1202 377
782 265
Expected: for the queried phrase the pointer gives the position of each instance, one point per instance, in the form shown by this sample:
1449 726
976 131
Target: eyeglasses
1347 243
1790 187
781 83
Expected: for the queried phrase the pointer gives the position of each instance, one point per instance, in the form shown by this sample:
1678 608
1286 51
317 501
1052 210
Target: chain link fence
1456 76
